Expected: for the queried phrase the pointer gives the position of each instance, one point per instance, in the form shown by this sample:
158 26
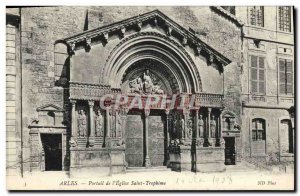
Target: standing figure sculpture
174 130
190 129
148 84
200 126
182 128
118 126
213 127
99 124
136 86
82 124
112 125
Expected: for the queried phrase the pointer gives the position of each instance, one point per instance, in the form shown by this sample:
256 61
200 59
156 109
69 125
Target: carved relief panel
156 137
99 122
82 119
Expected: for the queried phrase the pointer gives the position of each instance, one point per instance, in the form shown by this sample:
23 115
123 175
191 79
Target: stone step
144 169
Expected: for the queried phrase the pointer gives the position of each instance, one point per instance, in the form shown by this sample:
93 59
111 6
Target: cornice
227 15
154 17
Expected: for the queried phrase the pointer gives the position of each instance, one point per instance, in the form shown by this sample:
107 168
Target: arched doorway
152 142
144 64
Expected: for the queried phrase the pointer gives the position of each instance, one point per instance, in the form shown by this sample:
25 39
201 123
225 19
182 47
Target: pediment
154 18
50 107
228 114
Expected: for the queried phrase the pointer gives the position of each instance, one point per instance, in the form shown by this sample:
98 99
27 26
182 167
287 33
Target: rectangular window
285 76
257 74
258 130
257 16
284 13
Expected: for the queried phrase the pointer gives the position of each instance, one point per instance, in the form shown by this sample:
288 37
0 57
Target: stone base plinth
185 158
210 159
180 158
118 163
94 162
89 172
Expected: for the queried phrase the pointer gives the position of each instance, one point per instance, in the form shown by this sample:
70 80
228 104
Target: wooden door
134 151
156 140
229 151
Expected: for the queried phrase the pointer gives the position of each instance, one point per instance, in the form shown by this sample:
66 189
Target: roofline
228 15
143 17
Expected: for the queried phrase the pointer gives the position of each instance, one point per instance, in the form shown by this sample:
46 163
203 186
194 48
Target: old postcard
150 98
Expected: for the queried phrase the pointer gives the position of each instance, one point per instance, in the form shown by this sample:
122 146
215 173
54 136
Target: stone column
107 130
74 120
209 112
209 139
196 123
186 113
220 125
123 115
91 123
167 125
147 158
167 161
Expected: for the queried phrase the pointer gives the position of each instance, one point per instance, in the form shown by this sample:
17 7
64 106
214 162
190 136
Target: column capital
73 101
186 111
167 111
124 111
91 103
147 112
209 110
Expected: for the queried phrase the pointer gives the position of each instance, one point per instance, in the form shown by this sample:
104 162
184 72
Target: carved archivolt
151 42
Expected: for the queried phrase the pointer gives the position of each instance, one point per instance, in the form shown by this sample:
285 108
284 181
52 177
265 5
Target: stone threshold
147 169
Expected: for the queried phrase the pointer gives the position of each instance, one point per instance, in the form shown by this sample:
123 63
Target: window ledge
287 155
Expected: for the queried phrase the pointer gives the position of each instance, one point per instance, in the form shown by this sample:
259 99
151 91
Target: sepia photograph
150 98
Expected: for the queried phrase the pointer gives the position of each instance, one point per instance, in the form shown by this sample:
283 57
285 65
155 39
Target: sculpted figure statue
136 86
112 126
156 90
148 84
182 128
99 124
174 131
118 126
213 127
190 128
201 125
82 124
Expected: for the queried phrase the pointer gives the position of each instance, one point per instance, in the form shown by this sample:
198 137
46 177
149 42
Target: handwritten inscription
215 180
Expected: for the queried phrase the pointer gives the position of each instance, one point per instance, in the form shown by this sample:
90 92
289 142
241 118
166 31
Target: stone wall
41 27
13 142
271 106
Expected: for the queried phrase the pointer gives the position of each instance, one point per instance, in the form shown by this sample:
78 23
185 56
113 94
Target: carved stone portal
144 85
99 124
82 124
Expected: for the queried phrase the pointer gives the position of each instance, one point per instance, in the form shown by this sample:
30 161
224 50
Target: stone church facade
68 66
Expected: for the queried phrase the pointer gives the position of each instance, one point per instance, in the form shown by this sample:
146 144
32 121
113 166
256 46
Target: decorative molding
140 34
48 107
85 91
184 41
139 26
72 47
198 49
88 42
227 15
91 104
147 112
210 100
123 30
145 18
105 36
169 30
